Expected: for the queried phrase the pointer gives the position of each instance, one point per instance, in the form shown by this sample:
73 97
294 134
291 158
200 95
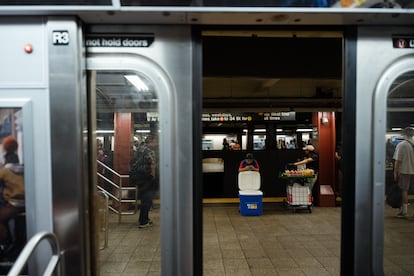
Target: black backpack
137 169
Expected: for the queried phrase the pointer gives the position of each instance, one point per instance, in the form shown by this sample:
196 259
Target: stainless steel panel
20 68
398 67
24 83
167 63
69 154
376 66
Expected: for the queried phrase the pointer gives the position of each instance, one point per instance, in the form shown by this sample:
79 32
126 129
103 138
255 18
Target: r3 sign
60 38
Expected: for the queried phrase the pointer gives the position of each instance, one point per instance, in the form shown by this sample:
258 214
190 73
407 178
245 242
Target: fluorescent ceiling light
104 131
303 129
142 131
260 130
396 129
279 130
137 82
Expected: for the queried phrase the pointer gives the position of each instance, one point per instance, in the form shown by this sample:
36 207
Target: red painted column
325 145
123 132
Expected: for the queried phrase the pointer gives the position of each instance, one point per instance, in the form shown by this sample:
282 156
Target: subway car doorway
271 93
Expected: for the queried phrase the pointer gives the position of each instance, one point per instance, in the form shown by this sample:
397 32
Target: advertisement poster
405 4
276 3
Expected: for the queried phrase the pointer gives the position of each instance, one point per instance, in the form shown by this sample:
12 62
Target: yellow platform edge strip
236 200
265 199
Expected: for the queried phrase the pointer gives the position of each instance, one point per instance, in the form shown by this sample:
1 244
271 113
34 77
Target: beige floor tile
258 263
232 264
238 272
213 272
213 264
256 252
311 271
277 243
263 271
290 272
232 253
113 267
311 262
284 262
329 261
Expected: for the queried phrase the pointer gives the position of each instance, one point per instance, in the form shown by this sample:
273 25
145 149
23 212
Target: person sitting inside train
12 201
249 164
10 145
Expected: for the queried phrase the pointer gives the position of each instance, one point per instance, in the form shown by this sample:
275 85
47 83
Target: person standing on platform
311 161
226 145
338 158
389 151
143 173
249 164
235 145
404 167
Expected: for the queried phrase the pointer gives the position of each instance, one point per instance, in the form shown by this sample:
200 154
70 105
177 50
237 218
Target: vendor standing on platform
311 161
249 164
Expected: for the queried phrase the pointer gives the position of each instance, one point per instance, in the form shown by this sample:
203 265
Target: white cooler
251 198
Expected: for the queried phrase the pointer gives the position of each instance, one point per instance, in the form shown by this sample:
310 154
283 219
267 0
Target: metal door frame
396 69
175 97
378 64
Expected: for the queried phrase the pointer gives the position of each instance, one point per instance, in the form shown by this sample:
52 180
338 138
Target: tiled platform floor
277 243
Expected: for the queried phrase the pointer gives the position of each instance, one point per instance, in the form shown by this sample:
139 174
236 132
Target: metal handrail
29 249
120 189
108 168
105 227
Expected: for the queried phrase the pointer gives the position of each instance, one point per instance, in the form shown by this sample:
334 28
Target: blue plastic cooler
251 198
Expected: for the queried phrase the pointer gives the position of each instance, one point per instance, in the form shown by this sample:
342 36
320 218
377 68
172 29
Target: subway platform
277 243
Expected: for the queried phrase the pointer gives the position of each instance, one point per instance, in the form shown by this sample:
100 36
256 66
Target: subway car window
399 189
13 236
127 136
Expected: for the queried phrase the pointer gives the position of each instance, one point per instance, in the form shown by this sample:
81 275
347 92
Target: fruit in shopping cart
296 173
293 173
308 172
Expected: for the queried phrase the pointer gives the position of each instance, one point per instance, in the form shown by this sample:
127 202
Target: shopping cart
298 193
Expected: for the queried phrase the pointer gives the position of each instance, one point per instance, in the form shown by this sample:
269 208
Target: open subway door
384 105
139 88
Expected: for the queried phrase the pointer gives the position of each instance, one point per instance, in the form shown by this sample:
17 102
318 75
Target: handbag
394 196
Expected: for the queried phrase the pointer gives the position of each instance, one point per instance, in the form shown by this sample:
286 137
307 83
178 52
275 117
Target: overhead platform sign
231 117
246 117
